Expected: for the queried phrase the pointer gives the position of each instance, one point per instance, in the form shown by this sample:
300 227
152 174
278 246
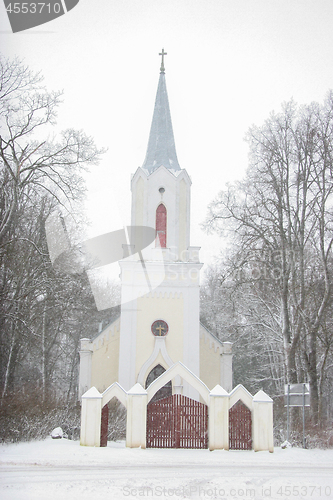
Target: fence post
218 419
91 418
136 426
226 366
262 422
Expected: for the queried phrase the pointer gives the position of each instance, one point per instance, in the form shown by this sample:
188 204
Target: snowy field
62 469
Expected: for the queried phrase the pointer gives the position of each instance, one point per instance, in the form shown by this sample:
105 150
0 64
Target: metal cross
160 328
162 69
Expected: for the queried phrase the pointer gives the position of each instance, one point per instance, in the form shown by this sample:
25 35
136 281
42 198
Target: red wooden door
240 427
177 422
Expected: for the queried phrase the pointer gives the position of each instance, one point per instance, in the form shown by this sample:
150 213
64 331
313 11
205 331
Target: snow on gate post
218 422
262 421
91 418
136 426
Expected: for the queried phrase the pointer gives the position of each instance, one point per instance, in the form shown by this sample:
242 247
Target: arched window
166 390
161 226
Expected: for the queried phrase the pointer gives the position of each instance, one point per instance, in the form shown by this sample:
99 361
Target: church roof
161 145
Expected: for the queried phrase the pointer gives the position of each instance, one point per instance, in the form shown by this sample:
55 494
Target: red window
161 225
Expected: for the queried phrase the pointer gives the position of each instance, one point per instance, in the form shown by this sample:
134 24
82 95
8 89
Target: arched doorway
166 390
113 422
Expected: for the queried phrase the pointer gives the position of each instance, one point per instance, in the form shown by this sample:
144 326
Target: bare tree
42 310
29 159
281 216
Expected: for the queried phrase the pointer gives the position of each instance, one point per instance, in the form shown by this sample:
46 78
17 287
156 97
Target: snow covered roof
100 333
262 397
161 145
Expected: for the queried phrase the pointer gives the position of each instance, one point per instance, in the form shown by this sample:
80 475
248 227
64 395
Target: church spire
161 145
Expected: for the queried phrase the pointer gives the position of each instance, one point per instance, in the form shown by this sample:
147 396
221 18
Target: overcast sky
229 64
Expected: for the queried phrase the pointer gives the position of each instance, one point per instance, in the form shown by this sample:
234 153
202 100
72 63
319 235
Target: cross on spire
162 69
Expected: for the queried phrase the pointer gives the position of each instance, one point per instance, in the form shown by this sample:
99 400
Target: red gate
240 427
177 422
104 425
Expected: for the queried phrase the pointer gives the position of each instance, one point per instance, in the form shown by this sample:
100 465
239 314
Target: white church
172 375
159 323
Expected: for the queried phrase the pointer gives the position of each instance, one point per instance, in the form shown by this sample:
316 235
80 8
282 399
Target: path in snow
54 469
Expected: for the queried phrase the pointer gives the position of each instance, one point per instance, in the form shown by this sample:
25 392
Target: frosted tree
39 172
281 218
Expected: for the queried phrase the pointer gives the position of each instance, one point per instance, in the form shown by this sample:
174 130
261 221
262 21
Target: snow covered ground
62 469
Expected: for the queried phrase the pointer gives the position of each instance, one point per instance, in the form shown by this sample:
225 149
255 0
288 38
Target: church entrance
240 427
177 422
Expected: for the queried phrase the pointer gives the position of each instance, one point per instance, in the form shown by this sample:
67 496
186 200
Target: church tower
159 322
160 287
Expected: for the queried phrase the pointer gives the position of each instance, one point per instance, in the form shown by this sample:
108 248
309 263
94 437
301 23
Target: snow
53 469
57 433
137 389
218 391
92 393
262 397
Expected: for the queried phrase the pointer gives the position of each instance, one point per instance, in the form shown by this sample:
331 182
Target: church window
161 190
159 328
166 390
161 226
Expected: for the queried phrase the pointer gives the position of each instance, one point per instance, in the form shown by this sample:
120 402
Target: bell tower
160 285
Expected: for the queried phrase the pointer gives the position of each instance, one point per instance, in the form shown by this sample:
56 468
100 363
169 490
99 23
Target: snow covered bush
26 417
117 421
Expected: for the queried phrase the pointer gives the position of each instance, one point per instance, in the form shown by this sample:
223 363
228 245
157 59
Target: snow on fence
225 426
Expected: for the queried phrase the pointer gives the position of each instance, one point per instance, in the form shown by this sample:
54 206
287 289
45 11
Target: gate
104 425
240 427
177 422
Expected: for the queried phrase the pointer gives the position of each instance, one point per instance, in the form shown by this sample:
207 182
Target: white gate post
226 366
218 419
85 366
91 418
136 425
262 422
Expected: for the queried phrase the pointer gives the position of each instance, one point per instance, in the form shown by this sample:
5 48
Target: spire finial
162 68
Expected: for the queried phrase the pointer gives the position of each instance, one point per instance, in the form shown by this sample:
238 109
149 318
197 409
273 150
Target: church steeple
161 145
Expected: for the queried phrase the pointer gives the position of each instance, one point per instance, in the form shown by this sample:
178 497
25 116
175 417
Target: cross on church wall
160 328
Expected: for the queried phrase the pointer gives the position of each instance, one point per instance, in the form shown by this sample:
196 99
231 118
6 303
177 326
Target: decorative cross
160 328
162 69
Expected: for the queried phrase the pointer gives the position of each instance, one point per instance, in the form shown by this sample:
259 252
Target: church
159 323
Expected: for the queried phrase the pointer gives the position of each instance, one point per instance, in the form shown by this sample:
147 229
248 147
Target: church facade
159 324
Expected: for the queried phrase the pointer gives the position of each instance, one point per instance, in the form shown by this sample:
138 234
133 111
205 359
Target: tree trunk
313 378
11 364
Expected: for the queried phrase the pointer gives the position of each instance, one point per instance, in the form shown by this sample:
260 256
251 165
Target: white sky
229 63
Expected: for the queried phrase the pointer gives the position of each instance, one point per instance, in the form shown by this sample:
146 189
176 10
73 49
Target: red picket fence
240 427
177 422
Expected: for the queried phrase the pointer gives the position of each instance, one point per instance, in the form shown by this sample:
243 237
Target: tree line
272 288
44 312
270 292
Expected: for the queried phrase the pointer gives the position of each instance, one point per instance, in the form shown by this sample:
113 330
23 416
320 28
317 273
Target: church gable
168 307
